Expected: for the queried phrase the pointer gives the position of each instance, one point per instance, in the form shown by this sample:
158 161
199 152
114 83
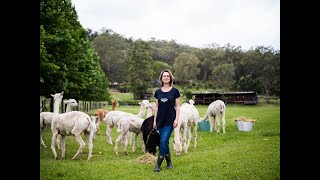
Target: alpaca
130 124
126 125
216 109
101 113
46 118
113 117
188 118
193 118
150 110
147 126
71 123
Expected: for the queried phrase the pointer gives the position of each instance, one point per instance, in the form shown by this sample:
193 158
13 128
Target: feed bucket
204 126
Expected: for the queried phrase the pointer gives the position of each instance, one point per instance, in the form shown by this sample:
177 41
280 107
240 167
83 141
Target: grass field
233 155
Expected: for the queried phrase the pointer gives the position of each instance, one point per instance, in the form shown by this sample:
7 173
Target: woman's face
166 78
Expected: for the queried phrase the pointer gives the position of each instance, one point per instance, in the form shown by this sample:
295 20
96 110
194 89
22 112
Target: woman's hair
170 74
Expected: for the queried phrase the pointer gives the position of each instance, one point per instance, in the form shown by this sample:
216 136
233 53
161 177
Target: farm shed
250 97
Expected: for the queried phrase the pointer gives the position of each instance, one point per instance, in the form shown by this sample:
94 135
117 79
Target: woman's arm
175 123
155 114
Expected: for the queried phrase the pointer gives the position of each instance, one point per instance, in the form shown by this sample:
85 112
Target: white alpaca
125 126
188 119
150 110
216 109
46 118
71 123
101 113
113 117
178 131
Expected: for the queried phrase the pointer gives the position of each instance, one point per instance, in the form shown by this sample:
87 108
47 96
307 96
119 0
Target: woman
166 115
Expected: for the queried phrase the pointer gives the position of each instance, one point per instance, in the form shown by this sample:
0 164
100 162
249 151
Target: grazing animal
101 113
147 126
188 119
113 117
216 109
71 123
125 126
46 118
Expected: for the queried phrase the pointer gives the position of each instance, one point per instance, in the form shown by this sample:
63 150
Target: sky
197 23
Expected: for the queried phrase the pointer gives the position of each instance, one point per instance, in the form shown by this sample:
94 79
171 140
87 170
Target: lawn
233 155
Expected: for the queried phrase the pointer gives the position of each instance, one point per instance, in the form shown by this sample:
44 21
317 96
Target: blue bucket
204 126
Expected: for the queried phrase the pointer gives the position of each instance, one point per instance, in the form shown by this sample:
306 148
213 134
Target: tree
140 69
113 50
222 76
67 59
186 67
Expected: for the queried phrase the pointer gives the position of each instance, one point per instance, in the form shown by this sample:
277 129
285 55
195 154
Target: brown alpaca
101 113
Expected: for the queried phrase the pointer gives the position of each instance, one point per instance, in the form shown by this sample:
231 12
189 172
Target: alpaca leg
41 140
134 147
81 143
142 143
210 121
217 123
125 143
63 145
189 140
195 134
185 139
53 141
58 141
108 133
177 140
130 138
223 122
89 136
98 126
116 143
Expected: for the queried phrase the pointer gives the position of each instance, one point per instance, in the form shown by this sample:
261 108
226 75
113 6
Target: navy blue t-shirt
166 106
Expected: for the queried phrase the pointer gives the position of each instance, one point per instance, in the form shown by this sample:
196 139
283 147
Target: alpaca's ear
52 95
139 103
62 93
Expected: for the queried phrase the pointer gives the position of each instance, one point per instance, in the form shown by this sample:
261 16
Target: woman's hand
175 123
154 125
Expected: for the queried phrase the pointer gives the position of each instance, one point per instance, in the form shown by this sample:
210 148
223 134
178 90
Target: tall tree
114 51
140 69
223 76
186 67
67 61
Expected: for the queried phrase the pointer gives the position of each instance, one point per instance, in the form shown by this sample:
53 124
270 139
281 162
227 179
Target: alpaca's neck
142 112
56 105
69 108
113 107
149 112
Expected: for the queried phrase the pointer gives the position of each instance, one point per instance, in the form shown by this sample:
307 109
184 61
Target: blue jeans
165 133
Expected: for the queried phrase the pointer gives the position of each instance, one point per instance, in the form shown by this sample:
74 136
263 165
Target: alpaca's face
72 102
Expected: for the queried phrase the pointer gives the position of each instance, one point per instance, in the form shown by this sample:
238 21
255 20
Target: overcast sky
245 23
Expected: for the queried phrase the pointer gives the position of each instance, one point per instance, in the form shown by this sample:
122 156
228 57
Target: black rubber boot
157 168
168 159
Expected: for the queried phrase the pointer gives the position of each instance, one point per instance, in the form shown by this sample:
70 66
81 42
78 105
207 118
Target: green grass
233 155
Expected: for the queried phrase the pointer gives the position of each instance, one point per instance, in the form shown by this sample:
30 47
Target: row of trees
226 68
81 62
